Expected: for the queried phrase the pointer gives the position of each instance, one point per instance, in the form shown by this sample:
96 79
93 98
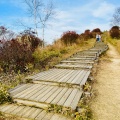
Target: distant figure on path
98 37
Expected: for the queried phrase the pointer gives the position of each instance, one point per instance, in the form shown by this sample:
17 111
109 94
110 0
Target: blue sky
76 15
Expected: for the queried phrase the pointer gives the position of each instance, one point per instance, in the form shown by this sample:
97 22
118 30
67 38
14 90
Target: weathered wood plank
44 93
48 94
85 78
36 113
27 91
76 100
70 98
30 112
38 93
53 96
48 116
64 97
16 90
78 77
41 115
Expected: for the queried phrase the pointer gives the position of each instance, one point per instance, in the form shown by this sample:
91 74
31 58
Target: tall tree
116 18
41 13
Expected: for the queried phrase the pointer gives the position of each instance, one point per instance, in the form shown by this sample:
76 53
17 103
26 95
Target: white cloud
104 10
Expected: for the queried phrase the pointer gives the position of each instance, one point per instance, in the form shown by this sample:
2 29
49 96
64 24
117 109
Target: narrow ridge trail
106 105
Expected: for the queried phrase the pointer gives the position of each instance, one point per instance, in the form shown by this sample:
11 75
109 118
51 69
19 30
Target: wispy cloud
104 10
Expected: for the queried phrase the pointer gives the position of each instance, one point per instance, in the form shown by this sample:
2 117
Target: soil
106 104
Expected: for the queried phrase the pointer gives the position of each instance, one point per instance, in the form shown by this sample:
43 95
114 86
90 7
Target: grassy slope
115 42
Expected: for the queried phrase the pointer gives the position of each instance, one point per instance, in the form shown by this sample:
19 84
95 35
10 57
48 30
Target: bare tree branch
116 18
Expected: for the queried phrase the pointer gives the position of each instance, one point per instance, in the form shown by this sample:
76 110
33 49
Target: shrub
15 56
86 35
4 95
115 32
95 31
31 40
69 37
42 57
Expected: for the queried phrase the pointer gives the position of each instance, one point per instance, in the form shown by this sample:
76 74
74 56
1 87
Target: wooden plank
73 81
48 94
55 117
66 76
19 89
51 98
57 99
48 116
32 113
35 114
78 62
61 75
10 110
28 112
75 58
56 74
70 98
33 92
41 115
40 74
27 91
81 78
76 100
6 108
21 114
48 74
85 78
17 111
38 93
44 93
73 77
64 97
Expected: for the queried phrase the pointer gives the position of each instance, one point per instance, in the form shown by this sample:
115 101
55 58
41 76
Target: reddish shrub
115 32
69 37
14 56
95 31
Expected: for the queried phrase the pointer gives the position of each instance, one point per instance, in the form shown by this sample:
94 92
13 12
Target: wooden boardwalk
60 86
62 76
74 66
77 62
44 94
31 112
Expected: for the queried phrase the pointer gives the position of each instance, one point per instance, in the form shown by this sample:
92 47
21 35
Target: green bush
4 95
43 57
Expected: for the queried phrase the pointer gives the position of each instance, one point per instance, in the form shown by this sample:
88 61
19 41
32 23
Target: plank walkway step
84 56
77 62
78 58
62 76
75 66
30 112
43 96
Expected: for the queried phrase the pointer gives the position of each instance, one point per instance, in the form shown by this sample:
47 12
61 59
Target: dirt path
106 105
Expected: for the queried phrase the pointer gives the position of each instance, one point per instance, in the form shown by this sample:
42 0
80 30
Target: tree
114 32
41 13
6 34
116 17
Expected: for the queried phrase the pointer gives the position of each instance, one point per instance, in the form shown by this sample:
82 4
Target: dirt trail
106 105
